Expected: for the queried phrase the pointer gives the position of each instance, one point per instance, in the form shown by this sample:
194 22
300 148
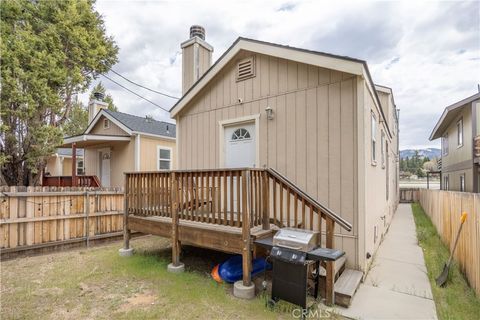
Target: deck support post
266 202
126 251
244 288
176 266
330 265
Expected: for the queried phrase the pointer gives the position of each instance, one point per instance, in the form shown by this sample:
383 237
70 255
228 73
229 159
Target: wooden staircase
346 284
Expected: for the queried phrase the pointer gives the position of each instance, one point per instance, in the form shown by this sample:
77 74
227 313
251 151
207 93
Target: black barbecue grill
291 252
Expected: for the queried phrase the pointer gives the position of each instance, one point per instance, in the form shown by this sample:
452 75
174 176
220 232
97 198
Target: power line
120 85
141 86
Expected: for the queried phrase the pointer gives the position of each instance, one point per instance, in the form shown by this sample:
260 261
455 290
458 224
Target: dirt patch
139 300
97 284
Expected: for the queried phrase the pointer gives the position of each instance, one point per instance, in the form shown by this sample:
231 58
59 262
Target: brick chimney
196 57
95 105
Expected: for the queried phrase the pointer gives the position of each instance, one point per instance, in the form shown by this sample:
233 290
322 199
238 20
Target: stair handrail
342 222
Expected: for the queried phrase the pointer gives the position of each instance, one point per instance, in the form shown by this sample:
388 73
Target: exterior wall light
269 112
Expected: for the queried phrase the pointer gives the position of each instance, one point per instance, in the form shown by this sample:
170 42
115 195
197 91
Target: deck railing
66 181
219 196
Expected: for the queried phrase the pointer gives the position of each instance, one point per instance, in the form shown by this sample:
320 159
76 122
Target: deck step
339 266
346 286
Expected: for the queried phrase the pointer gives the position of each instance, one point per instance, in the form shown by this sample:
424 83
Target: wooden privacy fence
444 209
36 217
409 195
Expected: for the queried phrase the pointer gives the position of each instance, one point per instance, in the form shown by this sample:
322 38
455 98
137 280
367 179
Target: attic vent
246 69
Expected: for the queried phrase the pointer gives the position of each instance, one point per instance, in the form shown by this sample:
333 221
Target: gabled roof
388 91
449 114
321 59
133 124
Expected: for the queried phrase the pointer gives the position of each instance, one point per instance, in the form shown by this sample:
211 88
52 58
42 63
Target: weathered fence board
444 209
36 216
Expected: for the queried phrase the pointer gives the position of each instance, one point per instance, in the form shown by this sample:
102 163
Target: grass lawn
456 300
96 283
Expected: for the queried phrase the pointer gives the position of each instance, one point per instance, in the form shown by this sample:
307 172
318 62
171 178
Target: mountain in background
429 152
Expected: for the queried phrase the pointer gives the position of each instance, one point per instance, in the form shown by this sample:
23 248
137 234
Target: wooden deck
225 210
206 235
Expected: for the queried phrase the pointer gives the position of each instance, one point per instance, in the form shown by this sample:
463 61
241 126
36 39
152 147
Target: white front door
104 161
240 146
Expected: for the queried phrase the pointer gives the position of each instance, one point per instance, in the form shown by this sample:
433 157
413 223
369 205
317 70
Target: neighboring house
116 142
315 117
459 129
60 163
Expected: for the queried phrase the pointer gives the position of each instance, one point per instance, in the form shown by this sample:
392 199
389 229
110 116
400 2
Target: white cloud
428 52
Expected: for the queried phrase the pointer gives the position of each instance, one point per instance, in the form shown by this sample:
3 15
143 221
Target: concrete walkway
397 285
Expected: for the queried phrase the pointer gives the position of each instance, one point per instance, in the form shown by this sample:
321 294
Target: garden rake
442 278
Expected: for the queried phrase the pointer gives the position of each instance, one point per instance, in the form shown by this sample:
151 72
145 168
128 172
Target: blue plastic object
231 270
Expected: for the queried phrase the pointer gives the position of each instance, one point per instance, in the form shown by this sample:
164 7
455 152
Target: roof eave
107 115
435 132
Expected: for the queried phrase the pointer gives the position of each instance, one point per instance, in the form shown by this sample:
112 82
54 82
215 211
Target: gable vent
246 69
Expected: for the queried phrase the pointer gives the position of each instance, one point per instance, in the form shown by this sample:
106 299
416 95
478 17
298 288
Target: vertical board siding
310 139
149 156
444 209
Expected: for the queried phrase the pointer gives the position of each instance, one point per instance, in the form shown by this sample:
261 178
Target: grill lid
296 239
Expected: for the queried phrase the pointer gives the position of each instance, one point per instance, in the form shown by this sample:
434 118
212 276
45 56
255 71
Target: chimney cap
197 31
98 95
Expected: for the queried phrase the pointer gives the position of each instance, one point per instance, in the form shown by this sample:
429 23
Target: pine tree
108 98
51 51
78 120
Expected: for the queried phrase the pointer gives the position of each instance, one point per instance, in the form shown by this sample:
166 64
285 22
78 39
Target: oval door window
241 134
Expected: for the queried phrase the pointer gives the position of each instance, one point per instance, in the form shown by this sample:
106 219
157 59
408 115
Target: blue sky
428 52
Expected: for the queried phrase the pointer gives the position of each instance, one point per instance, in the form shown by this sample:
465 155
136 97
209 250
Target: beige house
116 142
315 117
460 133
60 163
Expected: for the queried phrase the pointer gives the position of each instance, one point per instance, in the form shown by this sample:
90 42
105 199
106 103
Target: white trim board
94 137
137 152
159 147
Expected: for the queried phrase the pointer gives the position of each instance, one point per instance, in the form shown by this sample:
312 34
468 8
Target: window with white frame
445 144
460 133
164 158
462 182
382 148
374 139
80 167
106 123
